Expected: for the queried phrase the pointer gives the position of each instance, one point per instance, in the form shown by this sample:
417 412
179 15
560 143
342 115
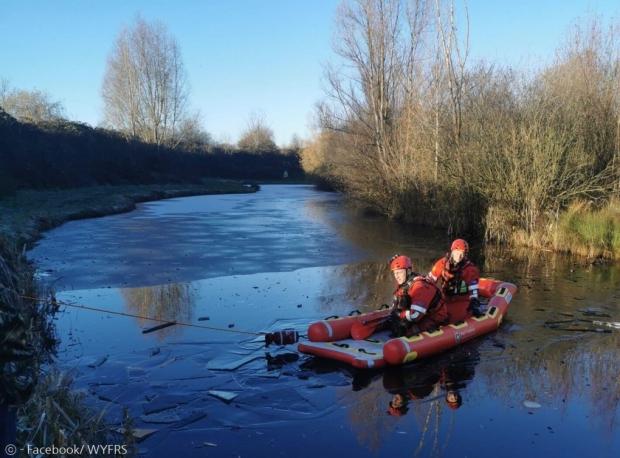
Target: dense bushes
66 154
25 326
412 130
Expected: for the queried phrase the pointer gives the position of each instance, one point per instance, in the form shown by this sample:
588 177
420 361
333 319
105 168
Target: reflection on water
379 237
525 361
427 392
557 364
448 373
366 286
561 372
171 302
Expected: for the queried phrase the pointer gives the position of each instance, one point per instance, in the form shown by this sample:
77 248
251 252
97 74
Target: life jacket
402 299
452 276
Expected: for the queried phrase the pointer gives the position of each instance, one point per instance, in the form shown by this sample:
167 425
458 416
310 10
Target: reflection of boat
334 340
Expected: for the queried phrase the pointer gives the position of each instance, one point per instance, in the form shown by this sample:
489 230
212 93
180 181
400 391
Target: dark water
282 258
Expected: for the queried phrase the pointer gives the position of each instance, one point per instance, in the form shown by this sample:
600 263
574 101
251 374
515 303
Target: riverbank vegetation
63 154
594 233
25 325
413 129
37 404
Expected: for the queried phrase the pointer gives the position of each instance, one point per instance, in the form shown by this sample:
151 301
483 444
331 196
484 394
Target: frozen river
288 255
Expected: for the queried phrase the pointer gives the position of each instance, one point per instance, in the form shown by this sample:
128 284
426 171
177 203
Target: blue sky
242 57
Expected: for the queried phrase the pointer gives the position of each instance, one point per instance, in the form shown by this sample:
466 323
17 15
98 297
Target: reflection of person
454 399
457 275
398 405
448 374
451 380
418 304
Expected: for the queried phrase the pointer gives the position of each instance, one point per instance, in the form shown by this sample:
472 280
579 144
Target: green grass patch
591 232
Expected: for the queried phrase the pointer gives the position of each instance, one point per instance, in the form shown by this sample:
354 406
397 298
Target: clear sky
242 56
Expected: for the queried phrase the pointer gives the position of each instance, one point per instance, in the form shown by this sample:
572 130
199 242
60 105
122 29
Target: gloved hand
398 327
474 307
405 315
400 302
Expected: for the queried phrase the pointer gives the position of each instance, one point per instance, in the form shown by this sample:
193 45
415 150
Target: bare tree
5 88
368 42
258 136
454 54
31 106
192 136
296 143
375 97
145 89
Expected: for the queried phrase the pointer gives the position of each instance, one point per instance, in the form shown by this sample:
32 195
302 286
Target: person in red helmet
458 276
418 304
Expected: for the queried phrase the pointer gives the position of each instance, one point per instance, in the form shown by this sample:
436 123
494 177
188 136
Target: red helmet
460 244
396 411
399 261
456 403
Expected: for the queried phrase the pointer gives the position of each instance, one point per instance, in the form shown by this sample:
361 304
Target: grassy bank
28 212
582 229
37 403
594 233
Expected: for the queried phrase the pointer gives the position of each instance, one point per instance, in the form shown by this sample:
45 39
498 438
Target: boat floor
361 353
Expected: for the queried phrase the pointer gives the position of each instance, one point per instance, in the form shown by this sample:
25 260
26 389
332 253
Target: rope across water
159 320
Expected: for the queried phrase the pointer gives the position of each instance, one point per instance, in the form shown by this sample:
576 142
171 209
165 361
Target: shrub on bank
474 149
56 415
594 233
48 412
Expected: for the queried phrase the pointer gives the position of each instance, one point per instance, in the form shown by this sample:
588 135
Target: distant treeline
64 154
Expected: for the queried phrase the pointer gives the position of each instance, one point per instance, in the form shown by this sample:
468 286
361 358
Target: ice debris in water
225 396
98 362
594 311
226 363
138 433
531 405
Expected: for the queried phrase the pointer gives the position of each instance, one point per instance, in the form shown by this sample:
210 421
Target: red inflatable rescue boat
331 338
